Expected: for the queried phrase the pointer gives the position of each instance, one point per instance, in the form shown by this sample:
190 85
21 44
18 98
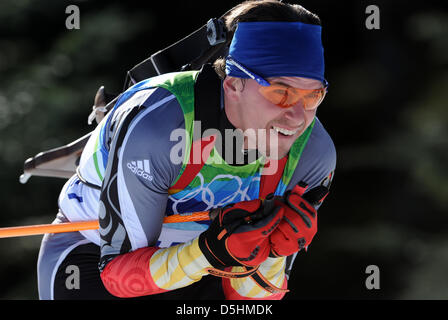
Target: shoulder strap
206 110
207 102
269 181
195 163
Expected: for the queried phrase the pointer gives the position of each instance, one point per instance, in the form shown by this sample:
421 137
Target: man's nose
296 112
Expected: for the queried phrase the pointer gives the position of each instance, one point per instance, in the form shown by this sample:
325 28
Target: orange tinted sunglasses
282 95
285 96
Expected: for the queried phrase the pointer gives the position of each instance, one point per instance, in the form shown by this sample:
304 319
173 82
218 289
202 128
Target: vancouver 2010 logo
231 189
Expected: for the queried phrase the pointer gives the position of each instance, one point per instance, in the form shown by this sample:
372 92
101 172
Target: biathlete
267 179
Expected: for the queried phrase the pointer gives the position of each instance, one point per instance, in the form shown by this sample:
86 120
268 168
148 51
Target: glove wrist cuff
212 259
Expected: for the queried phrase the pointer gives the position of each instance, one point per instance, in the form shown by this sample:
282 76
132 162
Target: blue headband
276 49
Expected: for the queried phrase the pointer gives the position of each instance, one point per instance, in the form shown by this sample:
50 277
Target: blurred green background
386 111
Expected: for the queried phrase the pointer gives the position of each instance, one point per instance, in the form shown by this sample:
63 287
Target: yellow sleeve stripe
157 262
257 292
246 287
178 266
273 269
237 283
192 260
161 267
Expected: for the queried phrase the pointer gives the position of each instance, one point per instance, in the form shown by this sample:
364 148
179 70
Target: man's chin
276 153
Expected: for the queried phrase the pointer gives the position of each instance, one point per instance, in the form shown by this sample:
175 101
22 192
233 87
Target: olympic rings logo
205 192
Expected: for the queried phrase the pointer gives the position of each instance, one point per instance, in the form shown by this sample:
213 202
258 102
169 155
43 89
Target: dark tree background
386 111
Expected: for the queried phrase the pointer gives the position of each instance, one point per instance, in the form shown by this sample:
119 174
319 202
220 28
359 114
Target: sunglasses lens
286 97
278 95
313 98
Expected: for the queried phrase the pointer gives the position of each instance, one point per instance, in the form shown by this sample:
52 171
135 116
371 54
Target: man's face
282 126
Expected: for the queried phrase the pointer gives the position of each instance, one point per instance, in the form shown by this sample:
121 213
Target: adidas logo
140 168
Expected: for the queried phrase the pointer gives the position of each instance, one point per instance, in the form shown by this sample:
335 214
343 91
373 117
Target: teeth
284 131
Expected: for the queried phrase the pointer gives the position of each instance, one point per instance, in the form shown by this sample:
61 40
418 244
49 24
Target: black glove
239 235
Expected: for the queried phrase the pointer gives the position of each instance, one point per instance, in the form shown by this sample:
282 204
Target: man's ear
232 87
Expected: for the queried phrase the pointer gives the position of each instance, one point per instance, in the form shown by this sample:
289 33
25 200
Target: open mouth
285 132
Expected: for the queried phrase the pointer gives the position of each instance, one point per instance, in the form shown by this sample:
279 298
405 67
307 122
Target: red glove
298 227
239 235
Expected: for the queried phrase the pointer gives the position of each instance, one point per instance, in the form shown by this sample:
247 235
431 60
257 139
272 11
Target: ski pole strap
230 274
266 284
254 273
